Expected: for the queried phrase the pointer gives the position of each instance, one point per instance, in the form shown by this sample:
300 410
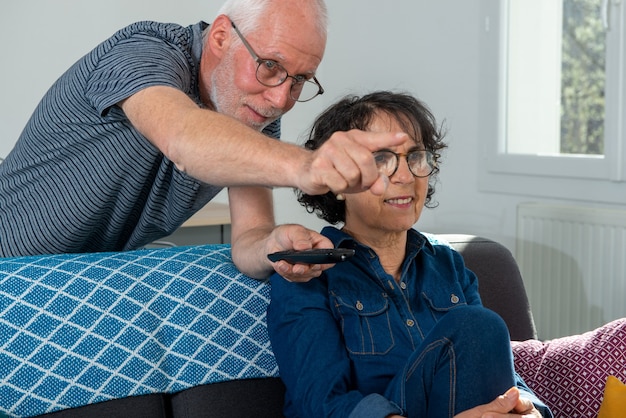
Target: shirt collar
198 40
415 240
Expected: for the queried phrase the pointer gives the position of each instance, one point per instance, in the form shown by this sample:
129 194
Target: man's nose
280 96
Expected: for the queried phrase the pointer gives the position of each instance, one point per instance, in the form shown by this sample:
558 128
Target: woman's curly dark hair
354 112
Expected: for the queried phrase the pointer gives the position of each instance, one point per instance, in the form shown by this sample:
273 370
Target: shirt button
410 322
359 305
454 298
403 285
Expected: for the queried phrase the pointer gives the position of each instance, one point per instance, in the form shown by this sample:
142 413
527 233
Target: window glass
555 63
583 78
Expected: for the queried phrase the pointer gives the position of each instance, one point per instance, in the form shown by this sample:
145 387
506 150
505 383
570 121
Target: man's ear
220 36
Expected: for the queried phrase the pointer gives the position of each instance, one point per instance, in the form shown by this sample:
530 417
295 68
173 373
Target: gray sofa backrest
500 282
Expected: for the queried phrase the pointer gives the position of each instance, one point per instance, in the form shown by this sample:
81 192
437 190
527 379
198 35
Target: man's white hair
247 13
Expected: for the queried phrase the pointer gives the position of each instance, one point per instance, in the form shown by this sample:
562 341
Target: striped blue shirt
81 178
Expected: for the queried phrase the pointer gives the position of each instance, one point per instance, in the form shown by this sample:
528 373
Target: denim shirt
357 326
341 338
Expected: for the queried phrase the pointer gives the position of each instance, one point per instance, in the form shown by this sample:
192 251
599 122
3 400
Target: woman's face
400 206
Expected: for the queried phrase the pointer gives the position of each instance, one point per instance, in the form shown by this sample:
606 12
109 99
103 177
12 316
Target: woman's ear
219 37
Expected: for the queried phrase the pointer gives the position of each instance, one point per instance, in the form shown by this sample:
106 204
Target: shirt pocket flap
444 299
362 306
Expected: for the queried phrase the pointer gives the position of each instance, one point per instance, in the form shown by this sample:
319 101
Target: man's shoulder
150 28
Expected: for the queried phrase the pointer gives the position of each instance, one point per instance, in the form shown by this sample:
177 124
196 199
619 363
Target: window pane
583 78
556 54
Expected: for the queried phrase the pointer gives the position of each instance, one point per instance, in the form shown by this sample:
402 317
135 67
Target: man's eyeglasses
421 163
271 74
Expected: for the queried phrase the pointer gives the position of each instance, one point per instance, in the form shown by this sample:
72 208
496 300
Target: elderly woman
398 329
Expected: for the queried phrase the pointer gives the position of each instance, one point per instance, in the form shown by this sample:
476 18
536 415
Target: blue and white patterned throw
77 329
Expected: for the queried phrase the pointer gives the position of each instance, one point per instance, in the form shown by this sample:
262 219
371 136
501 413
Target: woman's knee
476 321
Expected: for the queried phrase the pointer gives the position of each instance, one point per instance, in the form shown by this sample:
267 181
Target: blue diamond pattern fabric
77 329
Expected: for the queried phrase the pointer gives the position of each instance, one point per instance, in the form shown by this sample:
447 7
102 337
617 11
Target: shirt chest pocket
443 299
365 324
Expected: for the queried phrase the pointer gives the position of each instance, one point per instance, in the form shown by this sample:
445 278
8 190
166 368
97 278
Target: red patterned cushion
569 374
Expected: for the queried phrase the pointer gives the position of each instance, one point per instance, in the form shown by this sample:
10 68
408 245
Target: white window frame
580 177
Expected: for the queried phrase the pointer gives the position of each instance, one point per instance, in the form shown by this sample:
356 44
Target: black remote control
314 256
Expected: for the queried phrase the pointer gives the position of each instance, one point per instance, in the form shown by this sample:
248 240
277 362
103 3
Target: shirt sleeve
133 64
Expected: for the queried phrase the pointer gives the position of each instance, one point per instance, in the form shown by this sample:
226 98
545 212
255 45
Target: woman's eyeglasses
421 163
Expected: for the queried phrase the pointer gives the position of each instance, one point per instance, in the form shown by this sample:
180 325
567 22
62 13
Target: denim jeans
455 368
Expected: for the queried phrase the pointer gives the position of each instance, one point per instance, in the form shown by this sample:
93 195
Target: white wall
40 39
430 48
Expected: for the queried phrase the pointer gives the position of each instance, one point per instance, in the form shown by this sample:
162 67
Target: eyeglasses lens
420 162
272 74
304 90
385 162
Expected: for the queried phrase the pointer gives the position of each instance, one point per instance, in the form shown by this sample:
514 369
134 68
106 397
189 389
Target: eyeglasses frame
259 61
434 157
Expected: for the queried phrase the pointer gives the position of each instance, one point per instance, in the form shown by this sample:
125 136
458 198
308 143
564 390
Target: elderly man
150 125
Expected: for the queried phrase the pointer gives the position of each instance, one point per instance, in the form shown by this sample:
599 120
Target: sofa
180 332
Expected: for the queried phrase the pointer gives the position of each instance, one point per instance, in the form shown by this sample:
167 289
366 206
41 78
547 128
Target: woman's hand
508 405
290 236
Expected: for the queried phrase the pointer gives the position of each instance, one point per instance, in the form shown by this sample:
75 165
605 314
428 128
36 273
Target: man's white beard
223 97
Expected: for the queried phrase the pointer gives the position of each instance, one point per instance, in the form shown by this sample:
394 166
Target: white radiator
573 261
